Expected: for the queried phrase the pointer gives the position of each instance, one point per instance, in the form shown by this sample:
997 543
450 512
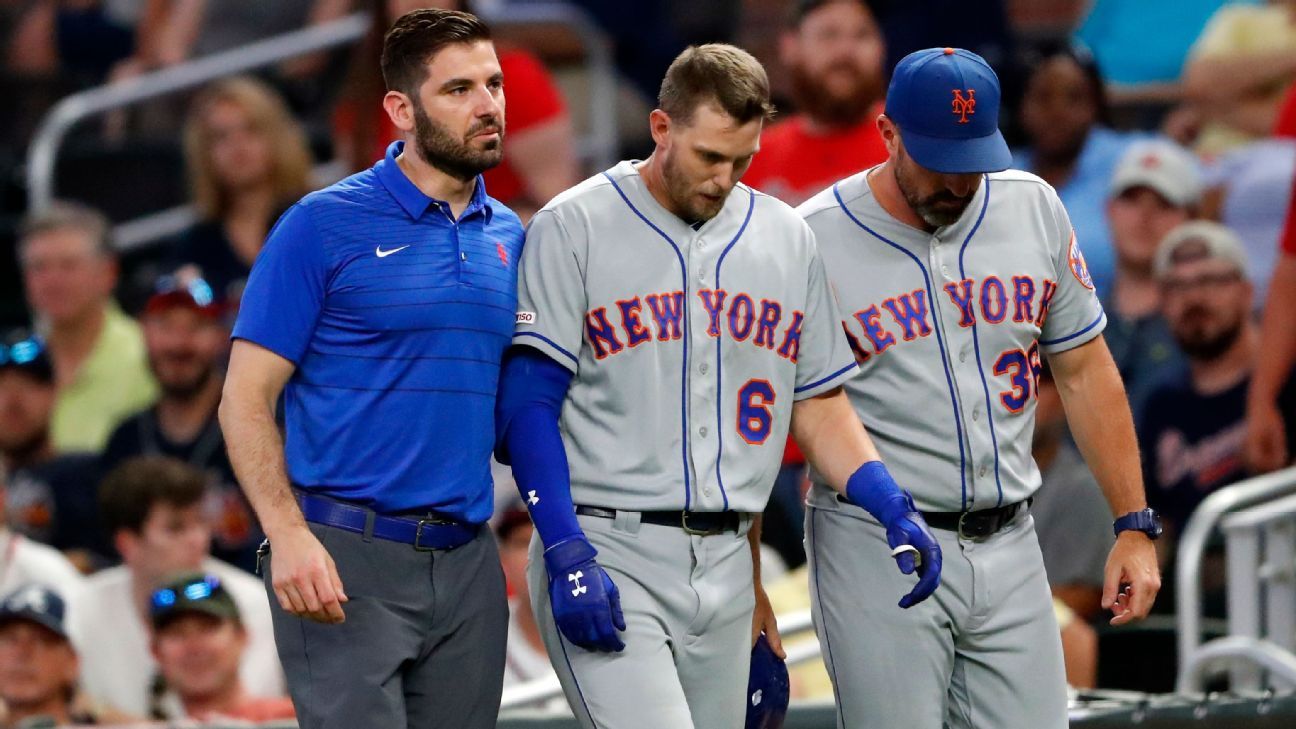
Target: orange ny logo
961 106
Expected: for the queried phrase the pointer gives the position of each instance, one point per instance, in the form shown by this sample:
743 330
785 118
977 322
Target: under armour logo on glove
579 589
756 698
586 604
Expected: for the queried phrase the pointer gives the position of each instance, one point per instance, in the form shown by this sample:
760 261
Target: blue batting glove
913 546
586 603
915 549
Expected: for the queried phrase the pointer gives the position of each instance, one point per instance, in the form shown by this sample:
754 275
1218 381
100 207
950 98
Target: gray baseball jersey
948 328
688 346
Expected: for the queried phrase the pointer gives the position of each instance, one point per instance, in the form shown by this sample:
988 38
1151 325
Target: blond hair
718 73
291 159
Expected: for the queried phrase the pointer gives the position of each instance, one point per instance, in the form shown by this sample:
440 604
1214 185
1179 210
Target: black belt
977 524
694 522
425 534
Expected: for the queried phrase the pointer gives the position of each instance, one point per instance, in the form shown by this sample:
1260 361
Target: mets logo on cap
1076 262
963 105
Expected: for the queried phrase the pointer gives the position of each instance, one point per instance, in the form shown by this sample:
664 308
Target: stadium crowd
127 550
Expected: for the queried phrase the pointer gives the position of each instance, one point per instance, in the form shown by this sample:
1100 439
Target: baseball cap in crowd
1162 166
1199 240
194 293
35 604
26 353
946 103
193 592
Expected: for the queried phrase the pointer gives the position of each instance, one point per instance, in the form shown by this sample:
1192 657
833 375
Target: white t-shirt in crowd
116 665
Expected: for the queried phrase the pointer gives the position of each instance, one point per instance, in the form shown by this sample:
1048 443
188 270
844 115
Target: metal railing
598 146
1245 511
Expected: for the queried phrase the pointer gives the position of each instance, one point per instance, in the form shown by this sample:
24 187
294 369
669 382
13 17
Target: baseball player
955 278
381 308
672 326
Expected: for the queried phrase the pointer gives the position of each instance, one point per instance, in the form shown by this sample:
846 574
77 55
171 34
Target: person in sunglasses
185 336
50 496
198 640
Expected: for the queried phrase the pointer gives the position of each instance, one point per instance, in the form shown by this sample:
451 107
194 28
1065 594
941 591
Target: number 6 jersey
688 345
948 329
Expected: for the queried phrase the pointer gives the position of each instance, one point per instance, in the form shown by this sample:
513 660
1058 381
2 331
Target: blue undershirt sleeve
531 393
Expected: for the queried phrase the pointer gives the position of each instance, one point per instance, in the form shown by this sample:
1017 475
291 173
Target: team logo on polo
503 253
963 106
1076 262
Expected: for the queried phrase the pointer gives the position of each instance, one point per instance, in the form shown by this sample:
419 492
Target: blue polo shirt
396 316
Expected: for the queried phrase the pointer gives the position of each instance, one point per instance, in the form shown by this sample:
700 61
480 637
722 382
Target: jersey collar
412 199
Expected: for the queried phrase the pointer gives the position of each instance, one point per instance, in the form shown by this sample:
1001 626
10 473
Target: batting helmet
767 688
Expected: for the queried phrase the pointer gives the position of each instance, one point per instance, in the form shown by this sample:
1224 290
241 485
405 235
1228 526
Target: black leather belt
425 534
977 524
701 523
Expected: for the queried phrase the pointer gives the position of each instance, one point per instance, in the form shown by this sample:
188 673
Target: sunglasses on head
195 288
21 353
194 591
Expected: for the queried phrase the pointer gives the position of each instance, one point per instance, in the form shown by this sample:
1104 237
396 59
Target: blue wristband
872 488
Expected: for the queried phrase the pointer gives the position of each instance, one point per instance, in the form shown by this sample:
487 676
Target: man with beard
185 337
956 276
834 51
380 308
1194 428
50 497
674 326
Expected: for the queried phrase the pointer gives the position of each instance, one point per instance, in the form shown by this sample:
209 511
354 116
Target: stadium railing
598 144
1258 520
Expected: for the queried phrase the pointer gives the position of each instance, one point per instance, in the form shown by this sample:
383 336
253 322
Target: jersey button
976 413
962 356
702 431
701 243
984 471
703 368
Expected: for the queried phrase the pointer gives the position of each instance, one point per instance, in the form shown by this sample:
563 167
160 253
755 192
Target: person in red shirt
834 52
539 151
1266 430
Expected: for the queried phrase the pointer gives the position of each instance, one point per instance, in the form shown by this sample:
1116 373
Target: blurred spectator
1065 118
539 150
1079 647
247 161
1238 72
69 270
51 498
187 341
833 52
1071 515
1155 189
198 640
981 27
152 507
1249 189
24 562
174 31
1116 31
39 665
1267 428
526 658
1194 429
78 39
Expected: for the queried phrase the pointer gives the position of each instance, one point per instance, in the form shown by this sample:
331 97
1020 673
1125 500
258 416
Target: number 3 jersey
948 329
688 344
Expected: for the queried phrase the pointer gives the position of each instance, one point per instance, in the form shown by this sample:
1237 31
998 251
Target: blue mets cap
946 103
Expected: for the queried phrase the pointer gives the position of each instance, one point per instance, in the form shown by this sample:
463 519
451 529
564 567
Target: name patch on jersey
654 318
905 317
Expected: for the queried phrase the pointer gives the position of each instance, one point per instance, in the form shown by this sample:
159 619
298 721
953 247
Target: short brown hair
130 491
69 215
416 37
717 73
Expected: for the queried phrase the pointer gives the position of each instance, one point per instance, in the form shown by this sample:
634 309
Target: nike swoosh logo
383 254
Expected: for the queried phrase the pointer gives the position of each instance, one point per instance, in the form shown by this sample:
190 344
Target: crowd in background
127 550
